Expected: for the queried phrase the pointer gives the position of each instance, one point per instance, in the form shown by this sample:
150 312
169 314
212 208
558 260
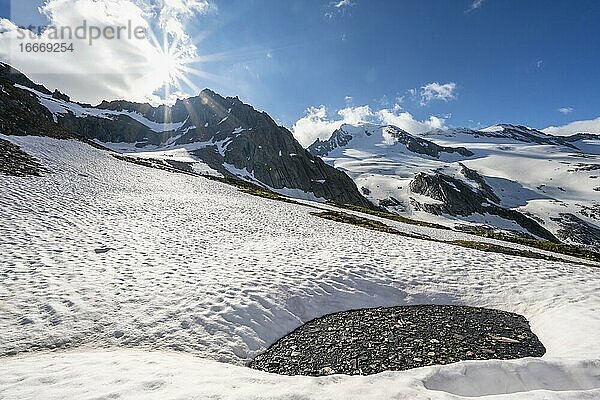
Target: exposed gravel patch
14 161
369 341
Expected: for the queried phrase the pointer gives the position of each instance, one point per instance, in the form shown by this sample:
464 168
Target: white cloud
588 126
174 14
338 7
343 3
355 115
317 125
436 91
125 68
565 110
406 121
475 5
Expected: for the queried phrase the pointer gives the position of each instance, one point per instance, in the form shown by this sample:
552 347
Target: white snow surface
493 128
130 374
199 278
180 154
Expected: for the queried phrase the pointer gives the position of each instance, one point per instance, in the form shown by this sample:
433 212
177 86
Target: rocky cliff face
229 136
575 229
460 199
20 110
14 161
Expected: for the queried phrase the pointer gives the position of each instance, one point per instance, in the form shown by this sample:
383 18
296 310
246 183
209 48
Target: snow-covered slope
108 267
522 180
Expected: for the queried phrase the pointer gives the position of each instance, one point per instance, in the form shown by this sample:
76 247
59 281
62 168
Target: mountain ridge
221 134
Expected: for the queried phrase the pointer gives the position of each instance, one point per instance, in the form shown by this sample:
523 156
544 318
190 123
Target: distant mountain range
506 177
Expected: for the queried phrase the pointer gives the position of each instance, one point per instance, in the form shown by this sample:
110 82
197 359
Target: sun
170 63
167 68
167 65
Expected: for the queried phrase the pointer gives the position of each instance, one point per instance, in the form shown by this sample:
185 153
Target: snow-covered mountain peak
376 139
510 128
362 128
493 128
371 134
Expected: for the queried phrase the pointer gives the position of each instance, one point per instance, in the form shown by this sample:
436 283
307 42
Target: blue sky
506 60
512 60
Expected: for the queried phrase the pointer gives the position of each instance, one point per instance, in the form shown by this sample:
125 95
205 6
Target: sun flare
170 62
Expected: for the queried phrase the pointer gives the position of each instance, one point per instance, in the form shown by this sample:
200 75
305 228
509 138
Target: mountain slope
507 177
219 135
20 111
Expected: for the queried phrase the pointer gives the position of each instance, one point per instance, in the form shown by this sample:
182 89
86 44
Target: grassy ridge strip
342 217
358 221
390 216
561 248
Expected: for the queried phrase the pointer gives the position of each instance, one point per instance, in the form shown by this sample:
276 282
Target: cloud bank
586 126
317 124
127 68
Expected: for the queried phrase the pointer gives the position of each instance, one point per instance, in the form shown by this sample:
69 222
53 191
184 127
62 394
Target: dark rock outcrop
14 76
484 188
459 199
369 341
14 161
421 146
20 111
582 136
577 230
60 96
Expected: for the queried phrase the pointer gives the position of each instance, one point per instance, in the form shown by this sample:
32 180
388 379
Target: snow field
104 254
